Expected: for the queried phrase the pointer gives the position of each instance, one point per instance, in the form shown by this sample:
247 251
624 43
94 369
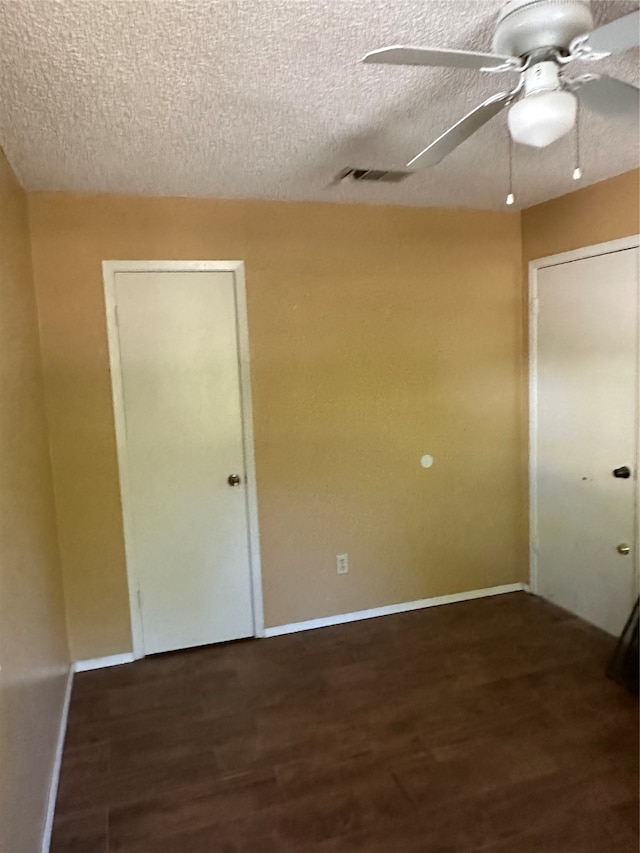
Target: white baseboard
342 618
57 763
100 663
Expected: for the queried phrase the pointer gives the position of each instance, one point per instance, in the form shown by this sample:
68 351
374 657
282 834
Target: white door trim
607 248
585 252
109 270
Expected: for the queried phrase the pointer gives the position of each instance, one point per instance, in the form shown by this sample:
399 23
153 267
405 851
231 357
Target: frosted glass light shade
541 118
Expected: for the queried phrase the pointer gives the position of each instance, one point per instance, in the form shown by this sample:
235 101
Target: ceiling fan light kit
539 120
537 39
546 112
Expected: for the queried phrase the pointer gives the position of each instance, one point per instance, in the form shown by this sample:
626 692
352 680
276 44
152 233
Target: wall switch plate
342 563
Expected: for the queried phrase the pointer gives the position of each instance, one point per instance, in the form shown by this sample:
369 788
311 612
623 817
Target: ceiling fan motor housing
525 26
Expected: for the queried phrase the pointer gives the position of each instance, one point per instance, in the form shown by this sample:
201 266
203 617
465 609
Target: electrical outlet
342 563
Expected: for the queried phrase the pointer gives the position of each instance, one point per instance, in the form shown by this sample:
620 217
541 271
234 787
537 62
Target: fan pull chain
577 172
510 196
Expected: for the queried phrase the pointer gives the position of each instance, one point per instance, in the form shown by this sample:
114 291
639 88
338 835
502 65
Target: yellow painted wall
595 214
377 335
33 647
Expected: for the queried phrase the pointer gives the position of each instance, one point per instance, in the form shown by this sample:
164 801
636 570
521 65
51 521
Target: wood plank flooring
482 726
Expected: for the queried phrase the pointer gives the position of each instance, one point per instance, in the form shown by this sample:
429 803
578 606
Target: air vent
385 175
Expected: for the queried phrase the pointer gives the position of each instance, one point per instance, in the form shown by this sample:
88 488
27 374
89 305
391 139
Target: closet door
584 412
188 540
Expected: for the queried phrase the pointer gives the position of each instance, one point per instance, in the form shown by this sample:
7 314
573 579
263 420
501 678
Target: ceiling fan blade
610 97
617 35
461 131
399 55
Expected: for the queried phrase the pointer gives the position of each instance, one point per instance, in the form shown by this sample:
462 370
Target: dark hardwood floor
482 726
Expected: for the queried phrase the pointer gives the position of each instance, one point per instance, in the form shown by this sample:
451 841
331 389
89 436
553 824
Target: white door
585 425
188 536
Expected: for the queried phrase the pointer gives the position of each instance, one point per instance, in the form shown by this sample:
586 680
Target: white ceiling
267 99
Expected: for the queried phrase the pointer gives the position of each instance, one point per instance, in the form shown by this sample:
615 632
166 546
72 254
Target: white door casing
181 430
584 313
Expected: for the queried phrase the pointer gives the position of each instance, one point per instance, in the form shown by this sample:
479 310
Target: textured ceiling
267 99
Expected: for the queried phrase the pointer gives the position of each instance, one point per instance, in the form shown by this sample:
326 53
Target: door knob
623 549
622 473
233 480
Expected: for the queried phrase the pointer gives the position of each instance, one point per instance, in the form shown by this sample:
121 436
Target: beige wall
33 648
595 214
377 335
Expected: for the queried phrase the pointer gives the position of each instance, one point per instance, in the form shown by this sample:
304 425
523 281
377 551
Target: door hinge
139 596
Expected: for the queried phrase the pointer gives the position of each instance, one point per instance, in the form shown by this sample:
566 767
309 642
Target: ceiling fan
537 39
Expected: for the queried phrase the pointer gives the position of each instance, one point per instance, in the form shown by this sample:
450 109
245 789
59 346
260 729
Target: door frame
109 271
607 248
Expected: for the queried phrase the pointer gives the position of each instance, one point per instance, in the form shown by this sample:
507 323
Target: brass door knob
623 549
